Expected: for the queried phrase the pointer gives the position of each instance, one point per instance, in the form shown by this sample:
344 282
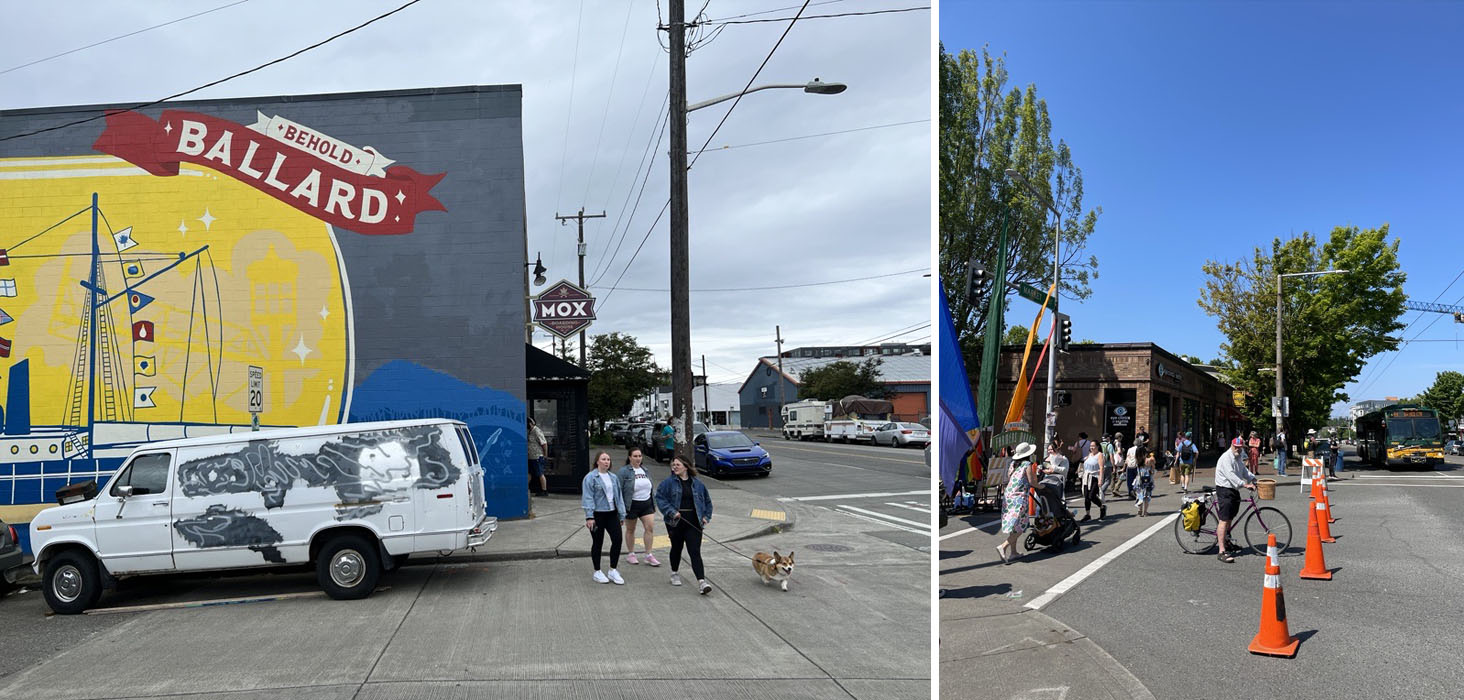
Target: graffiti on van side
220 526
360 467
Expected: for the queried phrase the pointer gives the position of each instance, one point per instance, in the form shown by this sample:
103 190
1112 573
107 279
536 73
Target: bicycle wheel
1194 542
1266 521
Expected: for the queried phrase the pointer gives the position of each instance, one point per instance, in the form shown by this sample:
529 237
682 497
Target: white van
353 499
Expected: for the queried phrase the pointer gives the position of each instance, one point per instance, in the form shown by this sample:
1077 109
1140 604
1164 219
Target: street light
1279 277
539 279
812 87
1056 291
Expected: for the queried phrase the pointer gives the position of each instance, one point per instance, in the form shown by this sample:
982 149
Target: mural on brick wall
140 282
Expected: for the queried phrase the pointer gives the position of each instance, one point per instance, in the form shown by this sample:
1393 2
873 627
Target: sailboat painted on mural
134 317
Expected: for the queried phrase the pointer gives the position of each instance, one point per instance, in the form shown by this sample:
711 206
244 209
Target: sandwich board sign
564 309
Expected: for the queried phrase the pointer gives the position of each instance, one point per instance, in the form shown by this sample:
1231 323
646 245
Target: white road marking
856 495
884 523
982 526
1066 584
908 507
1409 476
1418 486
891 518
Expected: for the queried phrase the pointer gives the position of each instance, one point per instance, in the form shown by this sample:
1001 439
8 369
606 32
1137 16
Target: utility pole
781 380
706 397
679 224
580 217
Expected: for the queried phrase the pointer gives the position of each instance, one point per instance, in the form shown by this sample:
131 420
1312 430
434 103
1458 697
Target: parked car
630 435
352 500
1453 447
720 452
902 434
653 445
614 428
11 557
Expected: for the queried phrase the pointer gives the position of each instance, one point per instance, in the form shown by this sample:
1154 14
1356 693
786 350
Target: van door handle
164 504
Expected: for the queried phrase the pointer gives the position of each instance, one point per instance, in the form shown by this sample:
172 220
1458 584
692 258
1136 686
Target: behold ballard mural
282 233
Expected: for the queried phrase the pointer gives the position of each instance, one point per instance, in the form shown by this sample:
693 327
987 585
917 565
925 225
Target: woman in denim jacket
639 498
604 509
687 507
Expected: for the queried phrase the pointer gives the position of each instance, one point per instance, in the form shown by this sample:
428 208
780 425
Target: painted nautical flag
132 269
124 239
5 318
7 288
143 330
4 347
4 257
136 300
142 397
145 365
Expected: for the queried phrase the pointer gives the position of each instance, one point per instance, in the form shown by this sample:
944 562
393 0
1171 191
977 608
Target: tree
1192 359
1015 335
621 370
985 129
839 379
1446 396
1331 324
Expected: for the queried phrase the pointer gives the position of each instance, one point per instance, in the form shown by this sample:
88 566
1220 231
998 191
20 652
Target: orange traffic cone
1324 530
1273 553
1273 638
1327 502
1316 563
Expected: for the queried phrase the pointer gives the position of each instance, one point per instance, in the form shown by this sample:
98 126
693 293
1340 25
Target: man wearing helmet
1231 475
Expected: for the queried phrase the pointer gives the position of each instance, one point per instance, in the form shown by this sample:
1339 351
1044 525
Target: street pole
778 330
1048 419
581 216
1278 355
706 397
679 224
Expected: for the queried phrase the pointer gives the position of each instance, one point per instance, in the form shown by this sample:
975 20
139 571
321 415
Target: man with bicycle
1231 474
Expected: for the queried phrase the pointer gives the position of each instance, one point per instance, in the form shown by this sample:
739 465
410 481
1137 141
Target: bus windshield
1400 429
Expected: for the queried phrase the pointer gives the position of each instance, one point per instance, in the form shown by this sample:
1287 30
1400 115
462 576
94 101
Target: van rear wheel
348 567
72 583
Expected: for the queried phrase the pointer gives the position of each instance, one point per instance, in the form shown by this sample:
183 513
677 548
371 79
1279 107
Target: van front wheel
348 568
72 583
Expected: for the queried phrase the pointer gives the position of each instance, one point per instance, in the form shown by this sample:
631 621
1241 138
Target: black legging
1091 495
607 521
685 533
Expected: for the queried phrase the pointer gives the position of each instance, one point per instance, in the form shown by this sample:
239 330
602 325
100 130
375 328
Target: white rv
804 420
353 500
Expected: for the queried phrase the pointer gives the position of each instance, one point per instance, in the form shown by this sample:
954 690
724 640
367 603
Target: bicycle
1257 522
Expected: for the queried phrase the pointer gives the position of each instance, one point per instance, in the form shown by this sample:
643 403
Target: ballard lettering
326 178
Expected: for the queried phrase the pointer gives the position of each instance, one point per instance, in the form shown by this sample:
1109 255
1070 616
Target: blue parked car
727 451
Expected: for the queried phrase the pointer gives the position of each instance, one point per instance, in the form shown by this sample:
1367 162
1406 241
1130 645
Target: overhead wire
568 120
831 16
220 81
605 116
780 286
609 259
822 133
120 36
1373 375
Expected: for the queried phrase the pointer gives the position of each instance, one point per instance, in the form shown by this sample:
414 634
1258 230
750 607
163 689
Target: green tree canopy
1331 324
621 369
839 379
1015 335
1446 395
986 128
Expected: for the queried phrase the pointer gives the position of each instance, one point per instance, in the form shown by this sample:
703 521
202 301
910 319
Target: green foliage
839 379
1015 335
1446 395
985 129
621 370
1331 324
1192 359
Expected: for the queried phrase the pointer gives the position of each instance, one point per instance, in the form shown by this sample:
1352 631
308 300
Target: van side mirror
124 491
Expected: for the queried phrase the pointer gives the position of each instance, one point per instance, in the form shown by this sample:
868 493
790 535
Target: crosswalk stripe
891 518
856 495
902 505
886 523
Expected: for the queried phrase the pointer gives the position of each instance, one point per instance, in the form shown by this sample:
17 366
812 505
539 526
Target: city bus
1401 435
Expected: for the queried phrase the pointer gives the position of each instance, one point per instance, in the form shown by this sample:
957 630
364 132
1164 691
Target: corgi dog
773 567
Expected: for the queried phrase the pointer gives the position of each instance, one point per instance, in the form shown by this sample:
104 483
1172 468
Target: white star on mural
168 127
301 349
324 313
207 219
183 227
400 197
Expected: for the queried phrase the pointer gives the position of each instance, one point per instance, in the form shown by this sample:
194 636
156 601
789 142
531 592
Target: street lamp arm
815 87
1033 191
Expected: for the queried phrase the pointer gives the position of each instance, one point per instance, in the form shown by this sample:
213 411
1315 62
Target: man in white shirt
1231 474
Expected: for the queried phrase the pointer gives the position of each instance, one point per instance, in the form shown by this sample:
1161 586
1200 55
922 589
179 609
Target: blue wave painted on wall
400 390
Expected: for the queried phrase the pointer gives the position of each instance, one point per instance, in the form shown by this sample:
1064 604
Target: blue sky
1206 129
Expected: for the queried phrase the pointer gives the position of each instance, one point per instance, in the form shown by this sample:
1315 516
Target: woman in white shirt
604 509
635 490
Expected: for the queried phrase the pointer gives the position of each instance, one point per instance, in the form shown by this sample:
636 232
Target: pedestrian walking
1054 479
687 508
1231 475
1080 452
1144 485
1093 469
1116 459
1280 444
538 447
668 439
1131 462
604 509
1254 461
1014 501
635 489
1185 454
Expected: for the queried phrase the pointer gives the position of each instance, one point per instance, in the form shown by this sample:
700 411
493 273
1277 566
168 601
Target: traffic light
1064 331
1062 398
977 278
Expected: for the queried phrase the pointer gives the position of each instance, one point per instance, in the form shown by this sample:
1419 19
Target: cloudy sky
832 206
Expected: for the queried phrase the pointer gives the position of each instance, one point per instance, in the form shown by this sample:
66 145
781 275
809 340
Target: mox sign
564 309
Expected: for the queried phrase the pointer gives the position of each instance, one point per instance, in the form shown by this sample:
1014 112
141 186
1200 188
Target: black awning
540 365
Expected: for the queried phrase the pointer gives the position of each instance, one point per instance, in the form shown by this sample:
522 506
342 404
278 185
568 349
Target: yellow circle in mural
199 277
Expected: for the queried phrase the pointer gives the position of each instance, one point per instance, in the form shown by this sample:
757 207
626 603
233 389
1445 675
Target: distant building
725 412
905 378
1362 408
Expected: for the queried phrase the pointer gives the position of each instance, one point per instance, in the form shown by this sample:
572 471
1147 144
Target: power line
777 9
609 260
120 36
897 330
568 119
205 86
1394 358
624 153
841 14
644 238
824 133
605 117
780 286
892 337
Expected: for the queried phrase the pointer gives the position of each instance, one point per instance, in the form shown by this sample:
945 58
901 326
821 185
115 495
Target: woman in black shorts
635 490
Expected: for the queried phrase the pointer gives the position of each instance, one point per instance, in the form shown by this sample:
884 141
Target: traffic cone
1273 638
1316 562
1327 502
1323 529
1273 553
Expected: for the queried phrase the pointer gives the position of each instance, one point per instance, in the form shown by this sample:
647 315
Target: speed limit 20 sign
256 389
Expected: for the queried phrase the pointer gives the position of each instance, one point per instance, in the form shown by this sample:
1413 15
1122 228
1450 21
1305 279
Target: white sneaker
705 587
615 578
675 579
600 577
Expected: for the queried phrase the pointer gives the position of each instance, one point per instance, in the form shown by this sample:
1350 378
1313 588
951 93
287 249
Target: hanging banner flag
142 397
133 269
4 347
7 288
4 257
124 239
142 331
136 300
5 318
144 364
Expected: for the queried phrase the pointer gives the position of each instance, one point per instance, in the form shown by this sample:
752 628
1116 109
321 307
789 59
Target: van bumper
482 532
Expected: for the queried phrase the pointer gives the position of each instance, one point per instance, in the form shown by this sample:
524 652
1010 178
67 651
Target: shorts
536 466
640 508
1227 503
1186 469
